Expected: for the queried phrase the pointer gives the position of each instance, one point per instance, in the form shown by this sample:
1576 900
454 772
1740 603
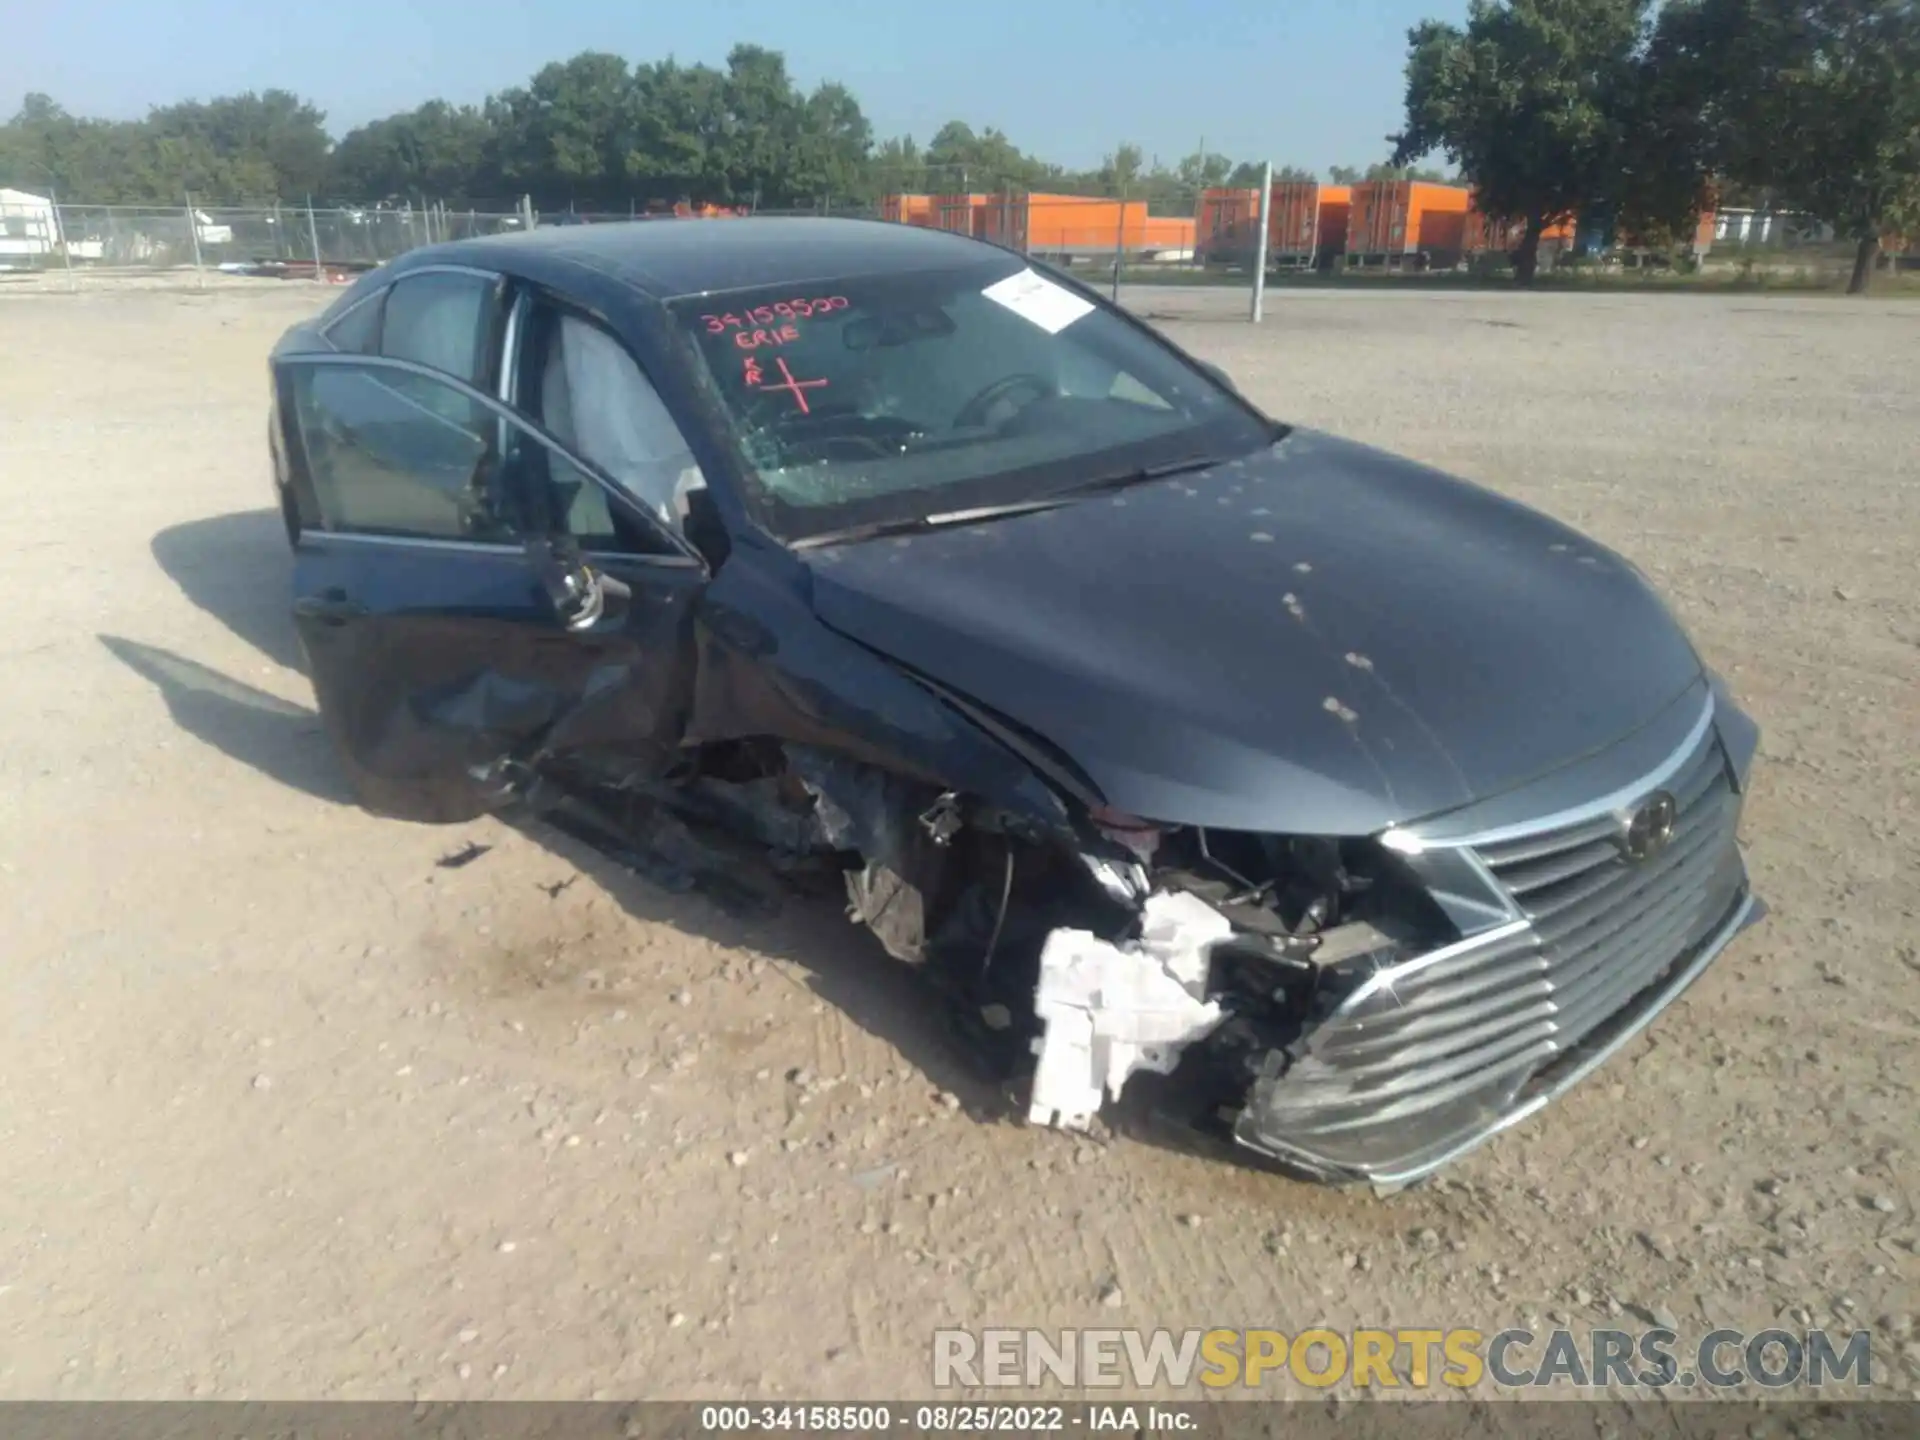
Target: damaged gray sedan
1346 809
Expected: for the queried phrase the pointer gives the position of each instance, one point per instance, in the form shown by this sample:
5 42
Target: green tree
1122 171
438 151
958 160
1816 103
241 147
832 147
1203 171
762 115
1427 174
1530 101
250 146
676 134
1659 183
561 136
899 167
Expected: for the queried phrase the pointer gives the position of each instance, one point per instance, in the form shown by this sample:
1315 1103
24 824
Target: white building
29 226
210 232
1768 227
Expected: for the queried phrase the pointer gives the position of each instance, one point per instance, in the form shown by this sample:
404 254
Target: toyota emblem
1650 829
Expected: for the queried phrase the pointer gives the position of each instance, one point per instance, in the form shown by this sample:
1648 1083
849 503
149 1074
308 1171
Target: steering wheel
974 412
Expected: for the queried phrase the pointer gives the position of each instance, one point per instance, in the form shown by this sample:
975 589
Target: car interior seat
588 517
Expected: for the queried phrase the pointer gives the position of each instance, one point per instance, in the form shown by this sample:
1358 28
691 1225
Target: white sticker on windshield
1033 297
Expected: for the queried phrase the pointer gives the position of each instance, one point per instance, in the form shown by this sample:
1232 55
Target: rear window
439 319
901 395
356 330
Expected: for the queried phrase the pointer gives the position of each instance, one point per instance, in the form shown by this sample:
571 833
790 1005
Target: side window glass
357 332
577 504
592 395
440 320
397 453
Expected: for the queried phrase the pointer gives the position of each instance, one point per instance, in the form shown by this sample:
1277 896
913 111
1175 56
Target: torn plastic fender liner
858 807
767 667
1112 1010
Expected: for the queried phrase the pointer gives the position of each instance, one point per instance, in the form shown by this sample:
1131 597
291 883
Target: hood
1318 638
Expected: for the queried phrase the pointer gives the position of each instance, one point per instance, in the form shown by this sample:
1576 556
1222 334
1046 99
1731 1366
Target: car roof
671 257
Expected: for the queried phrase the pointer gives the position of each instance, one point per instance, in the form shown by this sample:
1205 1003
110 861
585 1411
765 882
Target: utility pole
1260 242
193 234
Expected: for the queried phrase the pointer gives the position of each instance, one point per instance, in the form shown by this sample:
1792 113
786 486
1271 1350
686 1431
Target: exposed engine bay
1070 959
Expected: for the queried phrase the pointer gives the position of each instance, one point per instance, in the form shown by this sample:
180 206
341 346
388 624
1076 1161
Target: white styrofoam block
1110 1011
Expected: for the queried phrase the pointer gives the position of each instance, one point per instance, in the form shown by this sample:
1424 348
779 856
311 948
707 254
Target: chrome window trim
510 347
381 291
493 403
471 547
488 547
446 267
1407 840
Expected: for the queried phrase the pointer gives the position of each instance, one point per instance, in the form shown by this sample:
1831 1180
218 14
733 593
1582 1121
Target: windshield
894 397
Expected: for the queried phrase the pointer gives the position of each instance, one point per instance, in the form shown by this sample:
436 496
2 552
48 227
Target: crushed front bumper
1439 1138
1572 941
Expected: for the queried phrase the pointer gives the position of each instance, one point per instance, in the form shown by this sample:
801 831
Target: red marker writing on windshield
798 387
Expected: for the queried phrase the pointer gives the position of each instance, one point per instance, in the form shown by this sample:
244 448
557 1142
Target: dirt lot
287 1110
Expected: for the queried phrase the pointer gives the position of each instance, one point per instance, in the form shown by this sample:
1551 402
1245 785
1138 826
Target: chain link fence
76 246
1103 239
81 245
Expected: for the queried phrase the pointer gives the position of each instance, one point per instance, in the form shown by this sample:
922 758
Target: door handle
332 608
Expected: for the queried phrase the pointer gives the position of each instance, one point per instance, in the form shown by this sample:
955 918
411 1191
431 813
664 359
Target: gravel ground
288 1110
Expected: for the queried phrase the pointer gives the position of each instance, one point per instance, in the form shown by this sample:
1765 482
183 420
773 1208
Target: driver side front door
443 668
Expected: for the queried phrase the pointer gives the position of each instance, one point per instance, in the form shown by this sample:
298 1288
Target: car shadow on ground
281 740
237 568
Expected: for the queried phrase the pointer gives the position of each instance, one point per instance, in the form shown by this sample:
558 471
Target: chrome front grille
1608 927
1461 1040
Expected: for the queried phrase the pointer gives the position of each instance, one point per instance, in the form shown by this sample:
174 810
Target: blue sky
1308 82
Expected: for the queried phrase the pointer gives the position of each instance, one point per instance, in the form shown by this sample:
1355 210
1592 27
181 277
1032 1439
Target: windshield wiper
1052 500
1139 475
915 524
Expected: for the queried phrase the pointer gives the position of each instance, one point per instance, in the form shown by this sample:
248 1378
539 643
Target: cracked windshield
895 395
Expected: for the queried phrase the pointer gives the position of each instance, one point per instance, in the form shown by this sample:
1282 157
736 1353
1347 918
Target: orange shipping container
1336 213
1293 220
1223 226
1065 225
1483 234
907 209
1168 234
1304 219
959 213
1070 224
1397 220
